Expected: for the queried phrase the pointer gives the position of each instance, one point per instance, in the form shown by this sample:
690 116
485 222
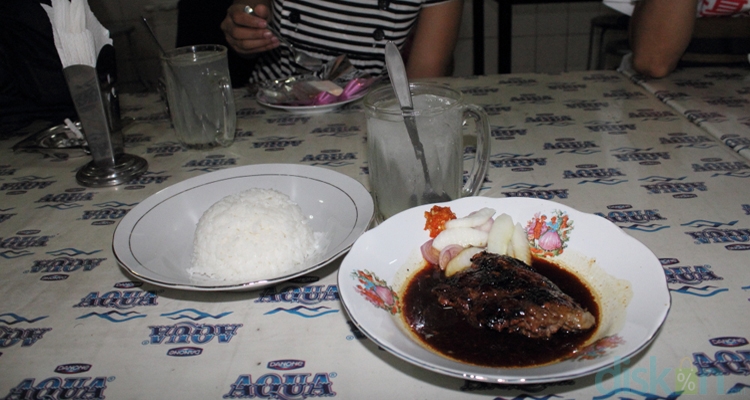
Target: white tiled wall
546 37
550 37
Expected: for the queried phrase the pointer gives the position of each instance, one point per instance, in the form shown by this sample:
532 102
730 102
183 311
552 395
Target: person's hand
247 34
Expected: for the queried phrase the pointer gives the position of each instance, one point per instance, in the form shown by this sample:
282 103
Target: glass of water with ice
199 93
397 179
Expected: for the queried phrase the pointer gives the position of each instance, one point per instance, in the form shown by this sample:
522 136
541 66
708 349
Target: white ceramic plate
154 241
309 109
383 250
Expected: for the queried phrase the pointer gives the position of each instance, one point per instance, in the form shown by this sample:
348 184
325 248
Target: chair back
718 41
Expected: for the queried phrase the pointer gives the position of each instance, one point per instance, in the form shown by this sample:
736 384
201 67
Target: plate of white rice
242 228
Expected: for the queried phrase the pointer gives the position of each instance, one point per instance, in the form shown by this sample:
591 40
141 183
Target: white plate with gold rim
154 241
373 272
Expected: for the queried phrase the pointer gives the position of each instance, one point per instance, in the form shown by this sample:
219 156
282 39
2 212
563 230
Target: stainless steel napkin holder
97 105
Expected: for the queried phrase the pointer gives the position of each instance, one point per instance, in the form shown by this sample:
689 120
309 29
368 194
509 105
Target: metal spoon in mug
303 60
153 36
397 72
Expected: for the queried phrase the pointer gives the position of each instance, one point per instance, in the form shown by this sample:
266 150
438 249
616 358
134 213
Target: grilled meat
504 294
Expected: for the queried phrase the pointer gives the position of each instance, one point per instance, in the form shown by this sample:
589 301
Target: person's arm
247 34
660 31
435 38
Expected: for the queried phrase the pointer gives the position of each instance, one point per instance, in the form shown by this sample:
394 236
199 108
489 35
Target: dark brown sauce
447 333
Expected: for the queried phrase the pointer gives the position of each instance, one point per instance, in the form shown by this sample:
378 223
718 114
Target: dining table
74 324
715 99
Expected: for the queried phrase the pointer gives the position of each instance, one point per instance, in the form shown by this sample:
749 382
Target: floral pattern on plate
548 236
377 291
598 349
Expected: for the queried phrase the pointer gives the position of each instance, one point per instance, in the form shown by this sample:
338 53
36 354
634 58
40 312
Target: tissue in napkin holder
105 144
88 61
99 116
77 33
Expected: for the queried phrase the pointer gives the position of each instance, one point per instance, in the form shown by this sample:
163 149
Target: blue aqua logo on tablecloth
56 388
286 386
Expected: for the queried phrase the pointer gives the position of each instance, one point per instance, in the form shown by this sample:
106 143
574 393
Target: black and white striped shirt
328 28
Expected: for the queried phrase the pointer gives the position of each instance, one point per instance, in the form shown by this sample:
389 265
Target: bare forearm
435 40
660 31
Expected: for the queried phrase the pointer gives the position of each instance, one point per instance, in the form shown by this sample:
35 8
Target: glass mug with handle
397 178
199 95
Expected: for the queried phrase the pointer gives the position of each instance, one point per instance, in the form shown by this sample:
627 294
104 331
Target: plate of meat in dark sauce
511 290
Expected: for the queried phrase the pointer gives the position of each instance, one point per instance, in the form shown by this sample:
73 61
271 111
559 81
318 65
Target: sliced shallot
429 253
448 253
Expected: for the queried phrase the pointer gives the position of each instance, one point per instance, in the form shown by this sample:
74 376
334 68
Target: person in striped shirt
425 30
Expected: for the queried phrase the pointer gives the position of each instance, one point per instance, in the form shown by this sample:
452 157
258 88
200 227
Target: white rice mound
252 235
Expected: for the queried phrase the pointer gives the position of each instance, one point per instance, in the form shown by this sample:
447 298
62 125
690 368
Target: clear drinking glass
199 93
396 176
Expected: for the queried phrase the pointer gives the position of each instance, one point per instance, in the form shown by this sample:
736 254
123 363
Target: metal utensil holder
98 110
